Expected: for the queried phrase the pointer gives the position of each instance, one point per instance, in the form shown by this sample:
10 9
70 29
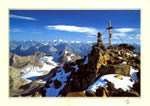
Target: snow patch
124 62
120 58
76 67
48 59
99 82
133 73
69 58
72 55
66 52
60 76
125 83
134 55
52 91
32 72
128 54
47 67
86 60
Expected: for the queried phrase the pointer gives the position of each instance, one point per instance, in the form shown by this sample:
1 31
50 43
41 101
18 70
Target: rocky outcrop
88 67
33 89
23 61
121 69
101 61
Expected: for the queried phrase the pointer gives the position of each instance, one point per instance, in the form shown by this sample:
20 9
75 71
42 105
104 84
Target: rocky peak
98 55
85 71
66 56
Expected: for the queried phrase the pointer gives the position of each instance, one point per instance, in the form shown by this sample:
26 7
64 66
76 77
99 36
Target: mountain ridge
51 47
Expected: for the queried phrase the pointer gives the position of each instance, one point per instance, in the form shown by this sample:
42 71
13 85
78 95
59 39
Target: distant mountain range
29 47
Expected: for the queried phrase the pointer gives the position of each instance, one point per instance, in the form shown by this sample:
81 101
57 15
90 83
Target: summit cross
109 29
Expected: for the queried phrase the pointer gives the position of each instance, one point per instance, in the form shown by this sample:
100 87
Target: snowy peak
65 56
32 73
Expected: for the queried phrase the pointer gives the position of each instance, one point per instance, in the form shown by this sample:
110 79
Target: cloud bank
123 30
22 17
71 28
126 34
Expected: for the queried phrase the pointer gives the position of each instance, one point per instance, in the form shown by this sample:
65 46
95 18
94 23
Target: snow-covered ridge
60 76
48 59
31 71
34 71
49 63
69 55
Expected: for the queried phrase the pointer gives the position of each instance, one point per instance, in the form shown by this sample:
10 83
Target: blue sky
74 25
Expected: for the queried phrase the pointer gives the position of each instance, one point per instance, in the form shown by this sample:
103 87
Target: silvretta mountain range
74 69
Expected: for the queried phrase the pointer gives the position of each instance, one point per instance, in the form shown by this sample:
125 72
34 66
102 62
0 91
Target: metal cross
109 29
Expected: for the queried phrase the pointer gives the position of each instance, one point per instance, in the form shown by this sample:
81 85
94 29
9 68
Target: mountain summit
105 71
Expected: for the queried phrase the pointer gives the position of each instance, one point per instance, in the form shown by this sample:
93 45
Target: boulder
99 91
121 69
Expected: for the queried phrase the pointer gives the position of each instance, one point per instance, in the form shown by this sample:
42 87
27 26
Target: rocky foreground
105 72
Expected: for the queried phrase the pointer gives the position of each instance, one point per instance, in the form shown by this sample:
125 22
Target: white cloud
122 30
22 17
69 28
15 30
